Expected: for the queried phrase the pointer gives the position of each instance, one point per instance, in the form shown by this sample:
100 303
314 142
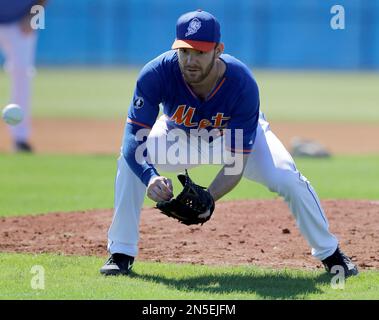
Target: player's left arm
245 117
224 182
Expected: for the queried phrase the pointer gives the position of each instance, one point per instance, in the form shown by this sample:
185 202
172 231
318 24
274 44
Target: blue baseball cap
197 30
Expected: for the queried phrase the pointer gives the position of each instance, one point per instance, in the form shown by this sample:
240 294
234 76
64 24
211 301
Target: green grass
320 96
285 96
45 183
78 278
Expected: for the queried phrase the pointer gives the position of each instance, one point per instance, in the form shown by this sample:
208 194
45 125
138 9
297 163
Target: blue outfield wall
262 33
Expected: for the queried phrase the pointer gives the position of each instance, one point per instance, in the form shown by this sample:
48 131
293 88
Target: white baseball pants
19 51
269 164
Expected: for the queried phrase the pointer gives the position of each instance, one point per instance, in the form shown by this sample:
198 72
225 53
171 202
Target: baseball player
17 43
201 89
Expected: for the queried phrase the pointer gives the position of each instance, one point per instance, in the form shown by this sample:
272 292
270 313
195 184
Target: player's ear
219 49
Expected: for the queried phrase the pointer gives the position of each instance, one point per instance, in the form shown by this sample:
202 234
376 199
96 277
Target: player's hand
160 189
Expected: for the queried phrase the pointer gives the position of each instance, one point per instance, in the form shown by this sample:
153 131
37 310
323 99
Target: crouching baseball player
210 114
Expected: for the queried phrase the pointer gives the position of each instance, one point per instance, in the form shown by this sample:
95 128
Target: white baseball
12 114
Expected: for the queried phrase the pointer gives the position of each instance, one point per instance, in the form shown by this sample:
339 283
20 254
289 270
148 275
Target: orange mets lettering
204 123
184 118
218 119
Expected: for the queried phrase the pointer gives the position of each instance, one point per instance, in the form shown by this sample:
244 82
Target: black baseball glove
193 205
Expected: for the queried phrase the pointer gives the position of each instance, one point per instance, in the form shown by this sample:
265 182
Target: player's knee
20 68
285 182
20 72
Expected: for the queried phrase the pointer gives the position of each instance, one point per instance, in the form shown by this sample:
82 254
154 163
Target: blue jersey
13 10
233 103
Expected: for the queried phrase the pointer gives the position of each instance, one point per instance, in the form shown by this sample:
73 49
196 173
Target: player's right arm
159 188
142 114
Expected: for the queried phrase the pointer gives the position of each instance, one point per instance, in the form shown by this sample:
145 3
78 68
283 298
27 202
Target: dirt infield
245 232
104 136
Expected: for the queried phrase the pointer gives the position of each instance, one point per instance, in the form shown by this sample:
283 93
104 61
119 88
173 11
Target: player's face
195 65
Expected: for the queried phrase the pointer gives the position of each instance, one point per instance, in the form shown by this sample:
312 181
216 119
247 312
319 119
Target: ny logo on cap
193 27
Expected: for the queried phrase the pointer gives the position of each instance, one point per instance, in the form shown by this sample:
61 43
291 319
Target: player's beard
201 76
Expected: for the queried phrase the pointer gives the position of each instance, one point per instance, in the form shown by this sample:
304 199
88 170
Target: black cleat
22 146
117 264
338 258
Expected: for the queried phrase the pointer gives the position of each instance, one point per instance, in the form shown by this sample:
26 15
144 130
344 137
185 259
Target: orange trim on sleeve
138 123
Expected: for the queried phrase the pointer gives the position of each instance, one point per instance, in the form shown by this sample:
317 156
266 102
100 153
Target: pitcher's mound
240 232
